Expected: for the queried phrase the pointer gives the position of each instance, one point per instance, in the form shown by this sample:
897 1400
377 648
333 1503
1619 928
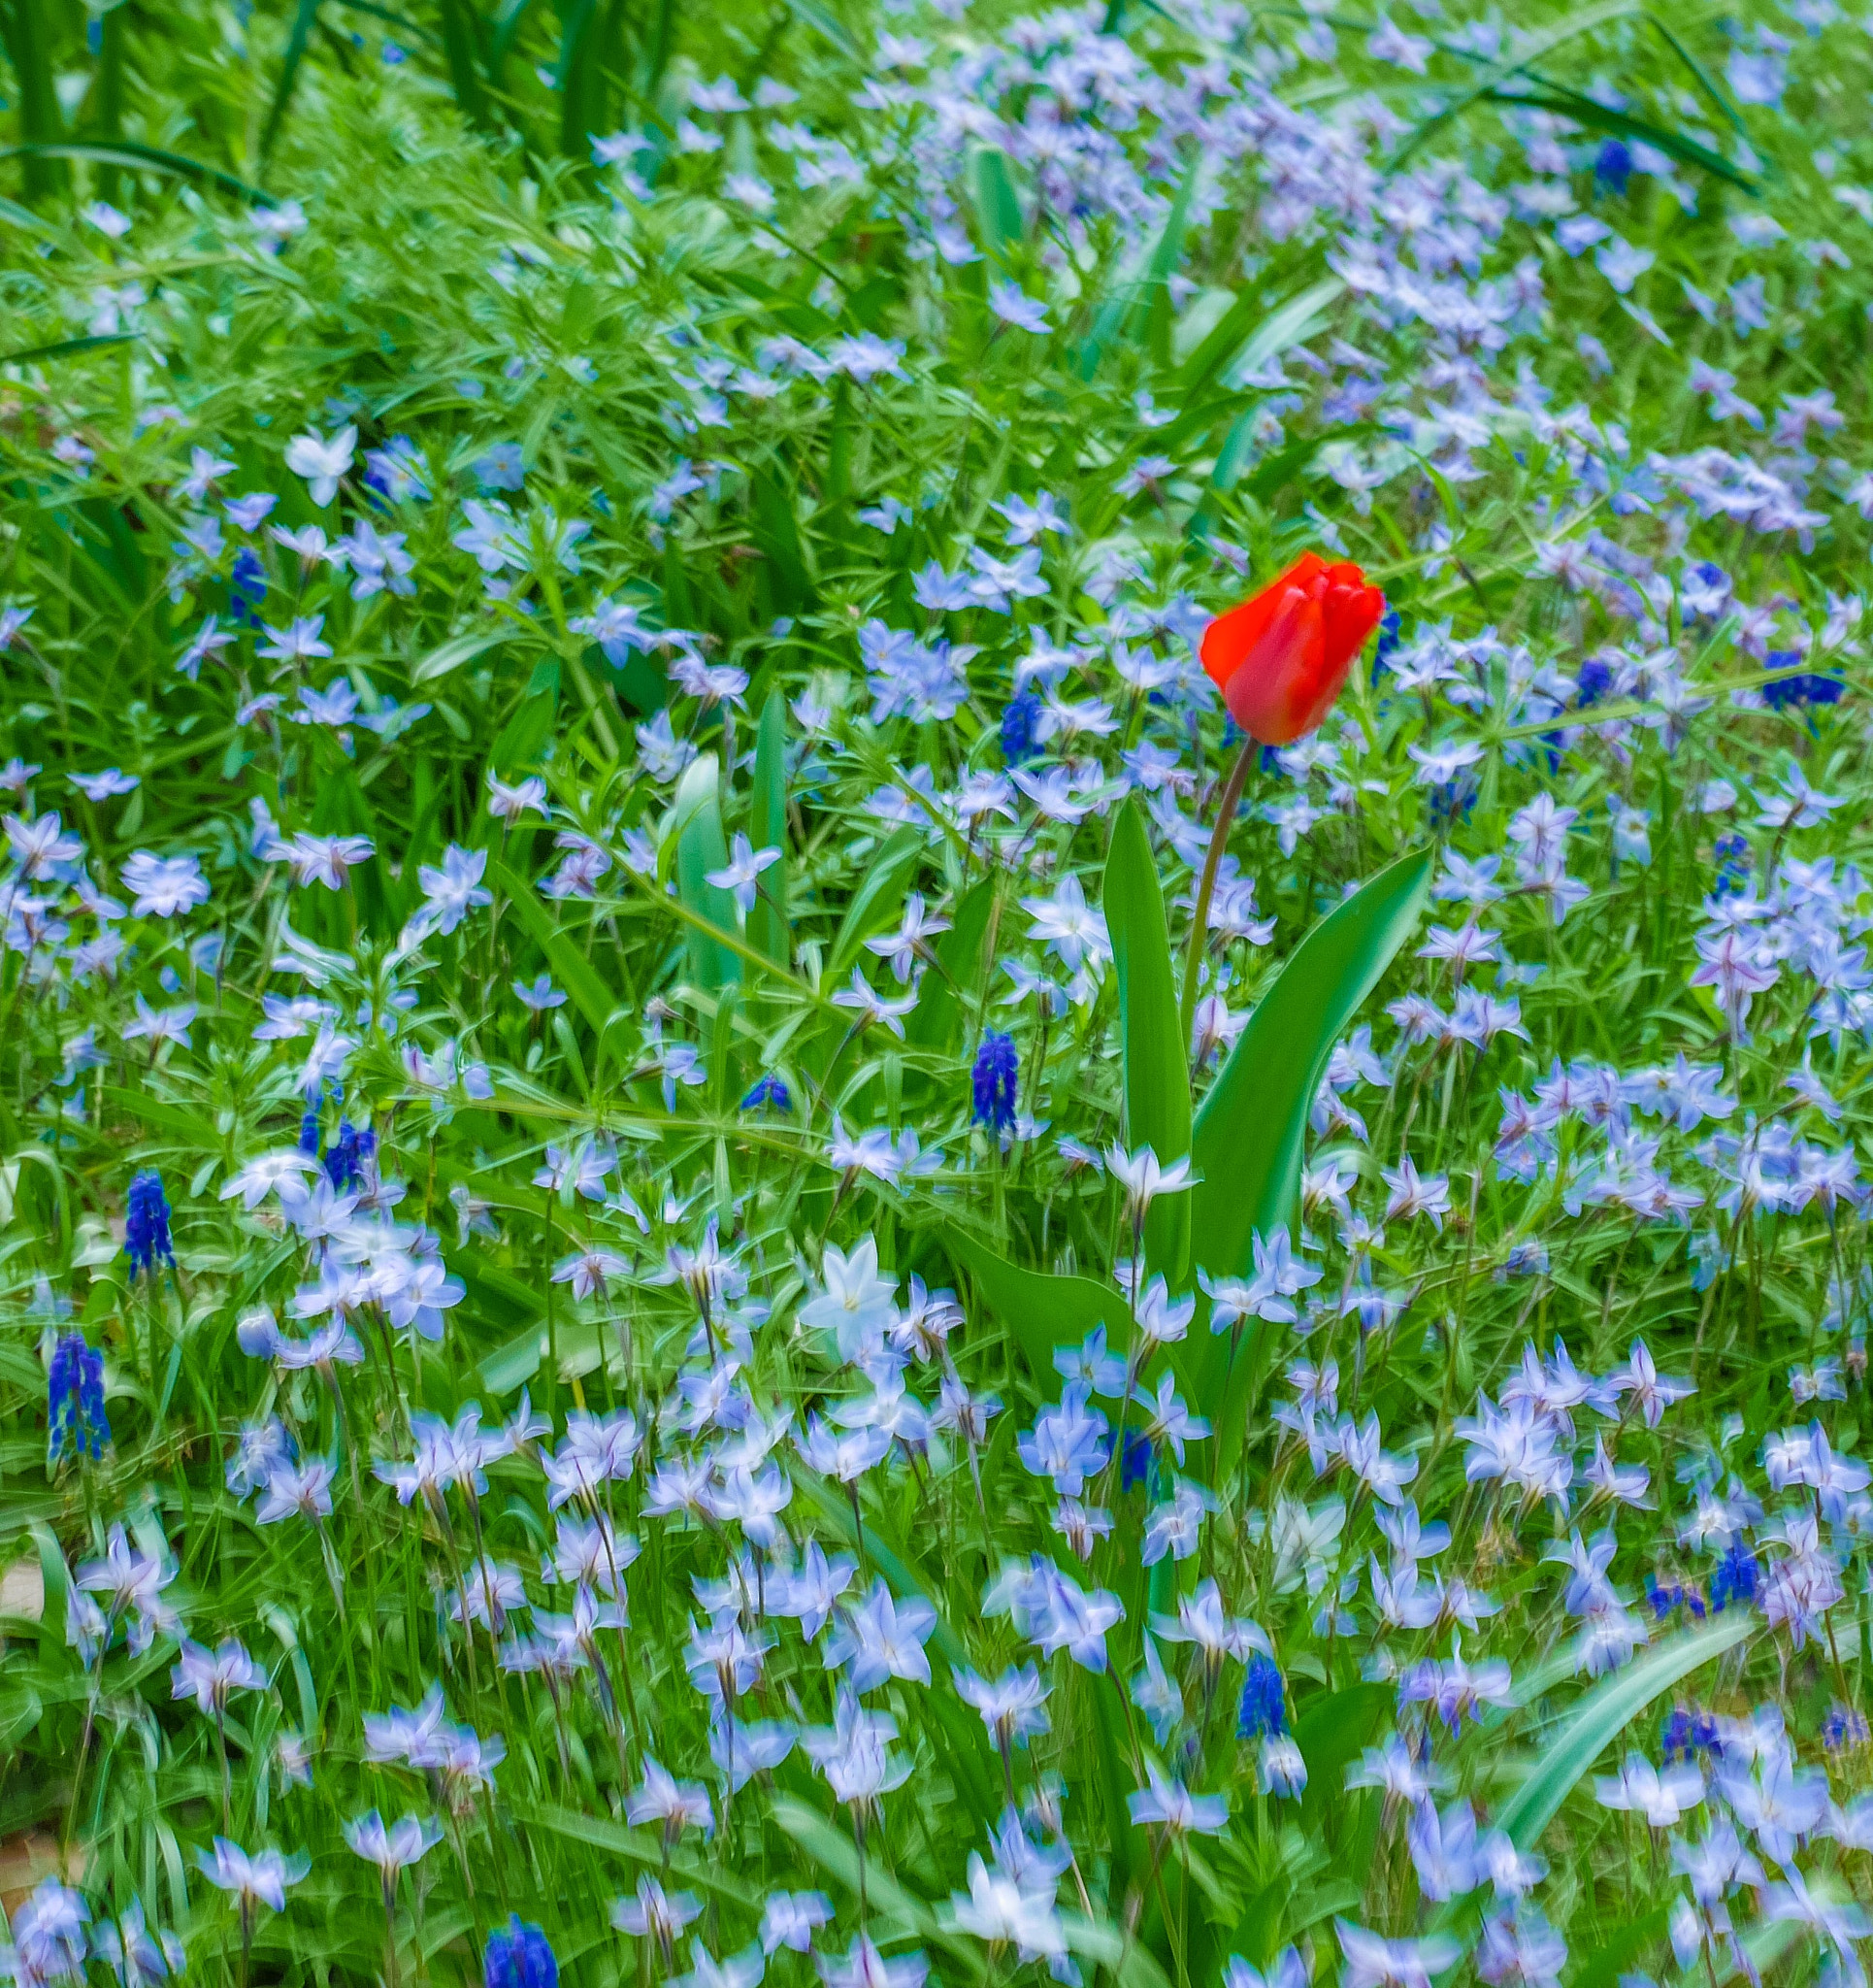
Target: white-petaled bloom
394 1848
323 460
1144 1177
1662 1799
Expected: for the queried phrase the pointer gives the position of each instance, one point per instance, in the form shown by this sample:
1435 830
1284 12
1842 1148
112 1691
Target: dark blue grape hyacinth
1732 866
246 589
1391 636
1595 681
769 1094
309 1132
1021 728
1134 1460
77 1425
1736 1578
1264 1701
1688 1734
1806 687
146 1226
517 1956
993 1081
350 1149
1613 166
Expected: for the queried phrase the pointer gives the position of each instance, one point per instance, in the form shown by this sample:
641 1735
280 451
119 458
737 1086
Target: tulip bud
1280 658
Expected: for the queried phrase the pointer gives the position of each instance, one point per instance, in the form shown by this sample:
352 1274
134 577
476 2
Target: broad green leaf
128 154
454 653
878 900
767 928
522 740
1250 1131
936 1022
998 207
644 1847
886 1555
1041 1309
1156 1067
1331 1729
305 18
1599 117
458 50
571 967
1605 1713
1286 326
776 532
29 37
697 824
1119 313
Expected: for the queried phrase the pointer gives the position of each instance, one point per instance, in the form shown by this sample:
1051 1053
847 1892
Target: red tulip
1281 657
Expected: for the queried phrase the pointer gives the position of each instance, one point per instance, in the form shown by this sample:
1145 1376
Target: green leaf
575 973
1122 308
1286 326
936 1022
29 44
1531 49
768 931
878 900
1588 110
1605 1713
454 653
997 205
699 848
1156 1068
825 22
1332 1729
1041 1310
305 16
141 158
522 740
643 1847
887 1555
776 532
62 348
1249 1129
1619 1955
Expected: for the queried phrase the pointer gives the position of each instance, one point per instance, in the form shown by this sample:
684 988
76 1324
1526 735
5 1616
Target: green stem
1206 886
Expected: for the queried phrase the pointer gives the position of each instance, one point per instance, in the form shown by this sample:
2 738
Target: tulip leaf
1249 1134
1286 325
701 848
1156 1068
769 932
1599 1719
997 205
571 968
1041 1309
877 899
935 1022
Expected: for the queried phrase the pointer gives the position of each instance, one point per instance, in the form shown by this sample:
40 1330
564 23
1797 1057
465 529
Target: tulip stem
1219 836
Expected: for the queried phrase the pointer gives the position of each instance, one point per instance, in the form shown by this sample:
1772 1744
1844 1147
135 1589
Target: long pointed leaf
1041 1310
1250 1131
593 999
1157 1069
767 928
1605 1713
701 848
1250 1128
